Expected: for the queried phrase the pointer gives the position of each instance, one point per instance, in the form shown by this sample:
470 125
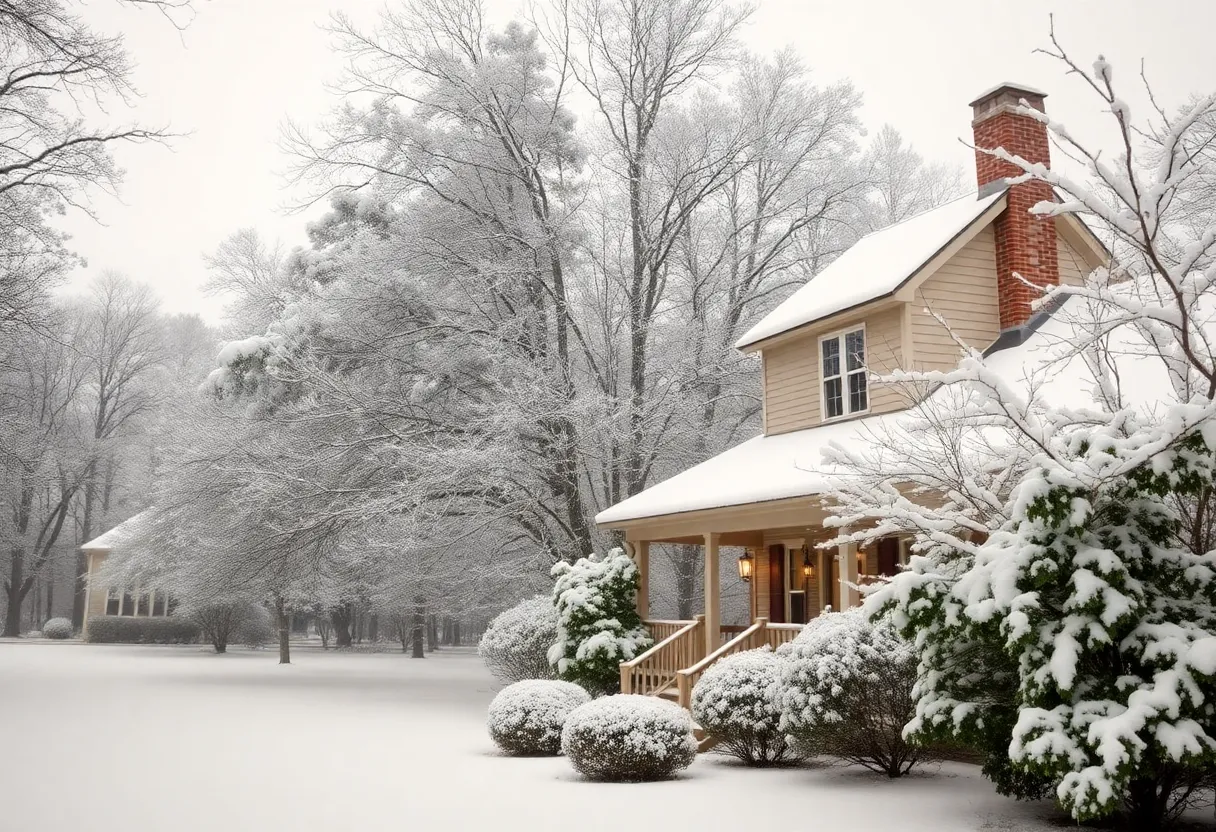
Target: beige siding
1072 265
963 292
791 372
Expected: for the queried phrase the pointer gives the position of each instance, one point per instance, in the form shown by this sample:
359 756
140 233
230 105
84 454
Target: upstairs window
842 359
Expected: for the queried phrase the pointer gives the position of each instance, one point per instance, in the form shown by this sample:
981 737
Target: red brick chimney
1025 243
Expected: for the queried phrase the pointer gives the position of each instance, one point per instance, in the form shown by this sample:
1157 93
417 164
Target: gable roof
116 535
876 266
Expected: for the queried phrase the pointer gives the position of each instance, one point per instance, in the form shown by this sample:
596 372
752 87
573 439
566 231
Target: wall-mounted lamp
746 561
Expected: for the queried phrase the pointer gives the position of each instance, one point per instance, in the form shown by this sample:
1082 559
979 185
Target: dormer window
842 358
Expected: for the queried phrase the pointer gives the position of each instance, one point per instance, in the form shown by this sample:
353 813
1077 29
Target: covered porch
791 578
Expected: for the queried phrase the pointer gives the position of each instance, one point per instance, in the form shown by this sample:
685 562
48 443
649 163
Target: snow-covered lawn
128 739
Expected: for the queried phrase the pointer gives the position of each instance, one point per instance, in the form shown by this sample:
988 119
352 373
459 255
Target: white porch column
641 556
713 595
846 554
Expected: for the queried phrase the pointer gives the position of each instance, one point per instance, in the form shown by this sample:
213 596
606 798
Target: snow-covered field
128 739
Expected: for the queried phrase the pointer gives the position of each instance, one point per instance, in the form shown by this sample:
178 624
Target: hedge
116 629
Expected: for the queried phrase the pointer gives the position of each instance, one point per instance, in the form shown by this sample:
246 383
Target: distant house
105 600
865 313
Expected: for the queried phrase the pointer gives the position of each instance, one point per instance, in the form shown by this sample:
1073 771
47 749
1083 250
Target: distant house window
113 600
842 361
158 604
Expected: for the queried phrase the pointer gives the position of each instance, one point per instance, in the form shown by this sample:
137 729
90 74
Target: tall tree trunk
341 618
283 620
418 633
373 628
86 534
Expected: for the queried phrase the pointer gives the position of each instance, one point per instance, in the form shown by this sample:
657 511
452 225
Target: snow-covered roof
116 535
875 266
789 465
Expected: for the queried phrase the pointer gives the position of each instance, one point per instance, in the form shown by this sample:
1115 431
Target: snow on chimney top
1025 243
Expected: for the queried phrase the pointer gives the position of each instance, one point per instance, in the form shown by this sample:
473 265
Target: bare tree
121 343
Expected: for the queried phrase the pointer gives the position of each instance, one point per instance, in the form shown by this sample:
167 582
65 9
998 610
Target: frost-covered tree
597 623
1061 595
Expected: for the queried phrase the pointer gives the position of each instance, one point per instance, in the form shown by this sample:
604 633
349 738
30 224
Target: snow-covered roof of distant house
116 535
789 465
875 266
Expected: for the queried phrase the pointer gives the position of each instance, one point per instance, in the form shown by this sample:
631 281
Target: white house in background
104 600
865 313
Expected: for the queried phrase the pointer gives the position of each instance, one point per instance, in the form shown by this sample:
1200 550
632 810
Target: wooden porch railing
663 629
757 635
776 635
655 670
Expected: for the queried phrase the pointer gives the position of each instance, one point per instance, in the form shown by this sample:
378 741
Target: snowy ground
143 738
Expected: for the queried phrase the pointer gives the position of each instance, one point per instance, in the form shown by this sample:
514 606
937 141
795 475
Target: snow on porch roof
875 266
761 469
791 464
116 535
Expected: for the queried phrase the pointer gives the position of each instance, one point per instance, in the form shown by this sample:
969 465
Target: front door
776 583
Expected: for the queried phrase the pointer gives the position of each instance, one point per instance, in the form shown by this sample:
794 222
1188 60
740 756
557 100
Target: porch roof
789 465
761 469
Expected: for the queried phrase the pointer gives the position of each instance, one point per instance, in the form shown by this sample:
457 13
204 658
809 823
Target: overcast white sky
243 66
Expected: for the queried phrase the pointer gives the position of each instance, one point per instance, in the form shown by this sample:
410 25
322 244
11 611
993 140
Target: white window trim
844 374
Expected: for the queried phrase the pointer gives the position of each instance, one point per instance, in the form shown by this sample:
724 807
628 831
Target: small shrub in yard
846 691
516 644
628 738
527 718
57 628
257 630
598 626
114 629
735 701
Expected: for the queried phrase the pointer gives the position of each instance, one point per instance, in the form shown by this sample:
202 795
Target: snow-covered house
107 600
868 312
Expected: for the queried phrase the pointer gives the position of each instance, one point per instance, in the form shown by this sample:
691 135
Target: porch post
713 596
641 556
846 554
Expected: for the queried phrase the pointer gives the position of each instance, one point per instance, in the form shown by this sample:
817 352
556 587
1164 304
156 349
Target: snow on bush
516 644
57 628
527 718
846 691
628 738
735 701
598 626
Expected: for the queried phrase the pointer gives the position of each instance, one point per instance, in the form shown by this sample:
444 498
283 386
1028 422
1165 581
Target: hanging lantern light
745 565
808 568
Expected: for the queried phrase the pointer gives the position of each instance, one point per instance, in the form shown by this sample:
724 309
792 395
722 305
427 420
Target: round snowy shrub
628 738
526 718
598 626
735 701
846 691
57 628
516 644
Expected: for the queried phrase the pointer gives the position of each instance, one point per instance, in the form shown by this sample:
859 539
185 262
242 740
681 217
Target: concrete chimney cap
1020 90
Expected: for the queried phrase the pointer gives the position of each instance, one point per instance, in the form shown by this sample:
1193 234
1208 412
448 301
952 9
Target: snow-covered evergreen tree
598 626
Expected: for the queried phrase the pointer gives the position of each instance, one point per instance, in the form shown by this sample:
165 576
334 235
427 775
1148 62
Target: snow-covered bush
115 629
527 718
223 621
516 644
735 701
626 738
57 628
846 691
598 626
